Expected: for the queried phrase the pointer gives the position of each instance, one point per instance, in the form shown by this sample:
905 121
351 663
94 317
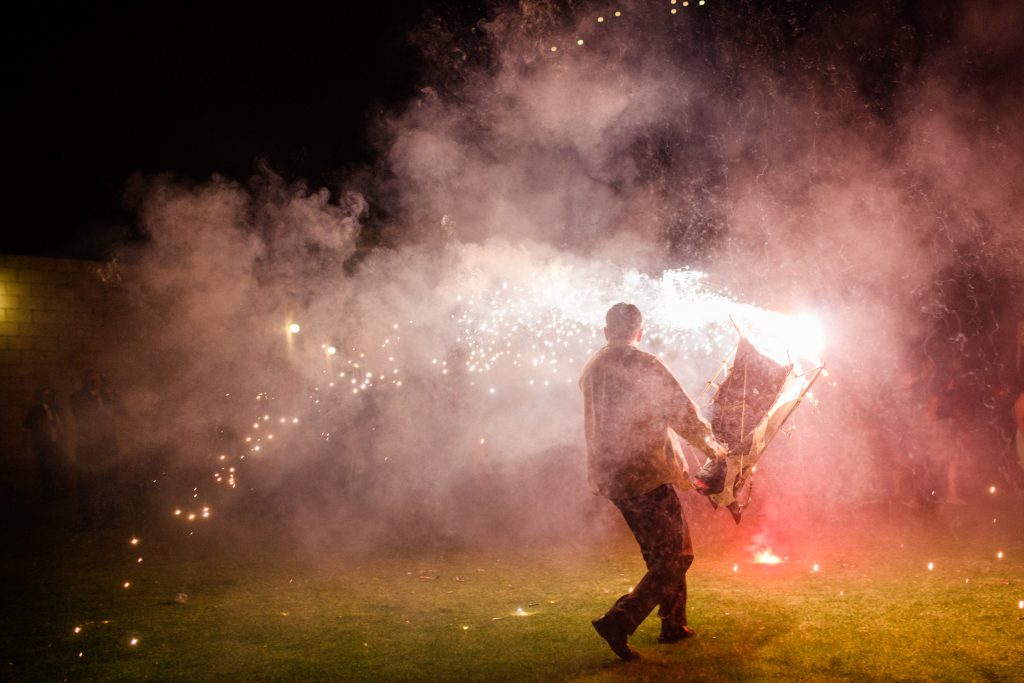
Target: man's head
623 324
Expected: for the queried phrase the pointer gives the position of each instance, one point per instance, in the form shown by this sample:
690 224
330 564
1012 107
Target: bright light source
294 328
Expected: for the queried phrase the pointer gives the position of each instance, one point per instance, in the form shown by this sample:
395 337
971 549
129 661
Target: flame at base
766 557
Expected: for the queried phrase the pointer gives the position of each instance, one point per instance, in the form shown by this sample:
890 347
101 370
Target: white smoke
538 190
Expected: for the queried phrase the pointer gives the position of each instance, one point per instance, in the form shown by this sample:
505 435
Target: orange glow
766 557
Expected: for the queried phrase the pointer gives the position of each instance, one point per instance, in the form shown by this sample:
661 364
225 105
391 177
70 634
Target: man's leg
85 490
672 608
657 523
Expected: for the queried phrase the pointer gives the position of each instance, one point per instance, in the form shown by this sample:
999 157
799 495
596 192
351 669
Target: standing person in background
631 401
953 409
1018 419
97 457
46 430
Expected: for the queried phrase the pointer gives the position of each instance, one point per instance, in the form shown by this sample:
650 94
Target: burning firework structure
748 409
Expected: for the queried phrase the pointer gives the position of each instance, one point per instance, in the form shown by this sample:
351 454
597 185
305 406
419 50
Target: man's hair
623 321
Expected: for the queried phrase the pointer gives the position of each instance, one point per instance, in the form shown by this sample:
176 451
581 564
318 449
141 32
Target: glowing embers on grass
766 556
203 513
518 612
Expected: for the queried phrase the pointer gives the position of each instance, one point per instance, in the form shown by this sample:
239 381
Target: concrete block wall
56 317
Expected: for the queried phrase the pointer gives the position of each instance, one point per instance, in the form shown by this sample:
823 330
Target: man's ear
639 335
606 338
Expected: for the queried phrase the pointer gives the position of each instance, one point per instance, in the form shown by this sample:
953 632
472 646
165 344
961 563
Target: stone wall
56 321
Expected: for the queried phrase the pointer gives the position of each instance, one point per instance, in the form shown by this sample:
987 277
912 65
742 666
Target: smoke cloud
855 164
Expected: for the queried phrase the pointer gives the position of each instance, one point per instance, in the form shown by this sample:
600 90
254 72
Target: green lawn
256 611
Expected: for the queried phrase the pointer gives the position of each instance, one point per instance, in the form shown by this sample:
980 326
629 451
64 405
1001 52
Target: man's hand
715 450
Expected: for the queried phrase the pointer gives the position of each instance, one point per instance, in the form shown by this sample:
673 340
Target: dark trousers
50 483
99 497
657 521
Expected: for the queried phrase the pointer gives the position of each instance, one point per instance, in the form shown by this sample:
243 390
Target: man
96 409
630 402
1018 419
46 427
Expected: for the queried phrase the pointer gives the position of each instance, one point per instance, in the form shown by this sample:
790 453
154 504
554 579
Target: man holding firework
631 402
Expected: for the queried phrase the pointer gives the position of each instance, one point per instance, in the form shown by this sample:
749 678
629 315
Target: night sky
104 91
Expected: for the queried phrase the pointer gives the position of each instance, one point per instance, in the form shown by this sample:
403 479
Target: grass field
256 610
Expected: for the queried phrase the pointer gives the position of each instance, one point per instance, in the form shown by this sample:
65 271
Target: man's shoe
616 639
673 634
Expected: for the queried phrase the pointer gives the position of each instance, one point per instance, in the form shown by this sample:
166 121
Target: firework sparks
530 322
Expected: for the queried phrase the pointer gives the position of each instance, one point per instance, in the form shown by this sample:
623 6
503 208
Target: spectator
1018 419
97 457
46 430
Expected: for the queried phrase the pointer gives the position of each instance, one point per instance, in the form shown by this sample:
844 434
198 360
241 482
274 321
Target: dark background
100 92
97 93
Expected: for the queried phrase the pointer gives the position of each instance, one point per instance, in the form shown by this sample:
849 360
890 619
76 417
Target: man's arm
684 419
